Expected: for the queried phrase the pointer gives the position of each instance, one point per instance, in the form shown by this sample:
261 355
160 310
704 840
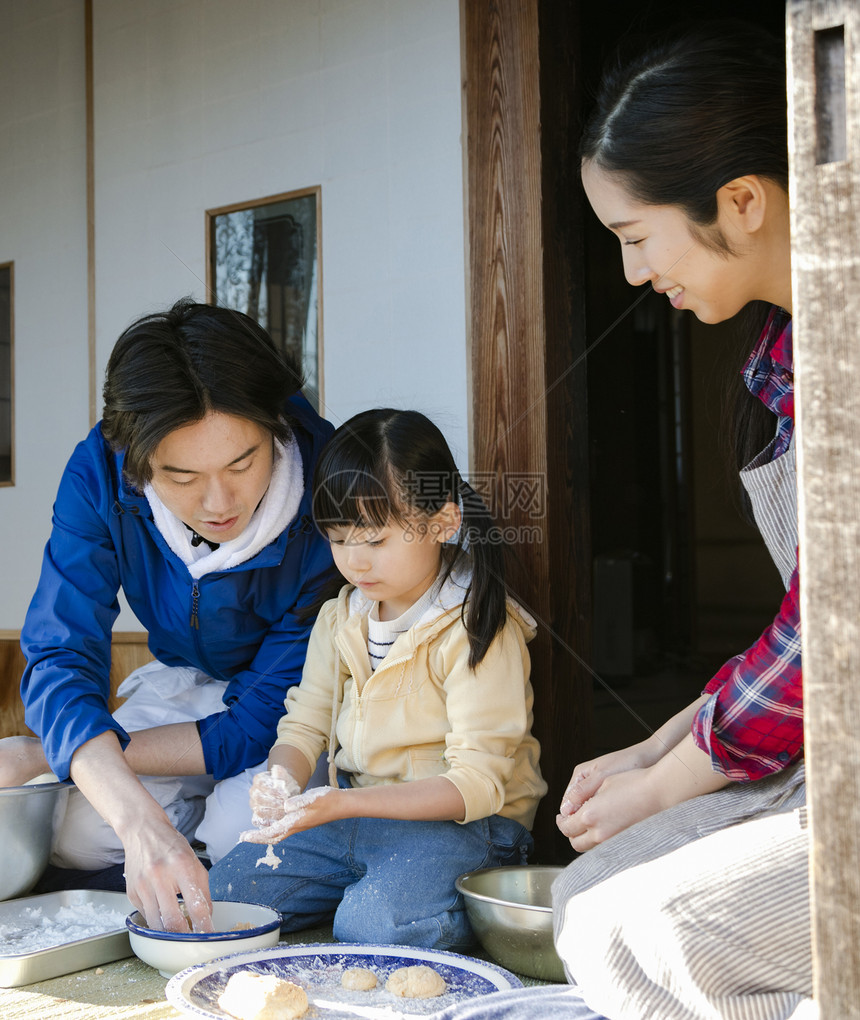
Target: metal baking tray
42 964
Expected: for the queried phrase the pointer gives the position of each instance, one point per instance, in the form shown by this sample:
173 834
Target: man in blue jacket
192 496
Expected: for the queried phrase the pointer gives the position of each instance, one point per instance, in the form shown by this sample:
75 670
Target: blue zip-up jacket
237 625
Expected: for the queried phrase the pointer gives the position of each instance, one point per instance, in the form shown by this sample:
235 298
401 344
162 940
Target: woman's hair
170 369
691 113
685 116
387 466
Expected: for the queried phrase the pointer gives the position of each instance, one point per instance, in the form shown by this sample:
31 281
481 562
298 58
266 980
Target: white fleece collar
276 511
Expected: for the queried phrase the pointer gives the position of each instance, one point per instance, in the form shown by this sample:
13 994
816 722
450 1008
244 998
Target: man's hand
159 866
159 863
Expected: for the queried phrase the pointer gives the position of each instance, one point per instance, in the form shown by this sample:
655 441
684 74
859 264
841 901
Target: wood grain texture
826 295
128 652
528 403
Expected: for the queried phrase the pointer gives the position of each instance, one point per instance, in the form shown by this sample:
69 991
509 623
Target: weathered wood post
823 39
527 338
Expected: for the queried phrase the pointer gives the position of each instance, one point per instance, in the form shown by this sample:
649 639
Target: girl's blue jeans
385 881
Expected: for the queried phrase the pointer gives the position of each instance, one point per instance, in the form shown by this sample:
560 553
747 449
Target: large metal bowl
27 817
510 910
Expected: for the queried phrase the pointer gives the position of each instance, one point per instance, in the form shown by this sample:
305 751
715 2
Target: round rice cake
251 996
419 982
358 979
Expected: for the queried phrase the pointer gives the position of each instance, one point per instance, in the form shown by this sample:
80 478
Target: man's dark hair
170 369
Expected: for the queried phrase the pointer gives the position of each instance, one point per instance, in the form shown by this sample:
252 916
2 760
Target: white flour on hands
295 811
270 793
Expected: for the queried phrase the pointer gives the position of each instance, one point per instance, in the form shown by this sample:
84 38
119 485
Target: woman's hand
21 759
620 800
588 776
305 811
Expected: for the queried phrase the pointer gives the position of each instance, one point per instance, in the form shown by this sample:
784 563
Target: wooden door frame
823 43
526 334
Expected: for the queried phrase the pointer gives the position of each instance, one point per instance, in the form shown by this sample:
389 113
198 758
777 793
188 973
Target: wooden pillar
526 331
824 105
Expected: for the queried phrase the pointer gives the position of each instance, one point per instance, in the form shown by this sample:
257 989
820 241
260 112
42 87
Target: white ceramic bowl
169 951
510 910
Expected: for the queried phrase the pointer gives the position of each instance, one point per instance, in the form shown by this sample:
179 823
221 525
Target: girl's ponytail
487 593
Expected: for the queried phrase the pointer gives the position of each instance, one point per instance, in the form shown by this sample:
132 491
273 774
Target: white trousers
699 913
197 806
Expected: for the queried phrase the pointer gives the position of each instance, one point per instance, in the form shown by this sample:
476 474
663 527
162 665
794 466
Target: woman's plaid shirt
752 724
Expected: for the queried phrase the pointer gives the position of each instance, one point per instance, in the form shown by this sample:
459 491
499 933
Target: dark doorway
681 582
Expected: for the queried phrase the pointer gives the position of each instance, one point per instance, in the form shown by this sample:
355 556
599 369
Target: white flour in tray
34 929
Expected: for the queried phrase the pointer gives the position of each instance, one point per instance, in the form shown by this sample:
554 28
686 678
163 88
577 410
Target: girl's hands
433 799
305 811
270 792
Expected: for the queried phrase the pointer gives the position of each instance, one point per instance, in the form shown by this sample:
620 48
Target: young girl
417 683
691 898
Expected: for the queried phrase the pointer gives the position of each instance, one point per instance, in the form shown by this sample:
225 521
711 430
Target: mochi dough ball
419 982
358 979
250 996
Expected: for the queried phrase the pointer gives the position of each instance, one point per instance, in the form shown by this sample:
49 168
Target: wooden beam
529 425
823 39
128 651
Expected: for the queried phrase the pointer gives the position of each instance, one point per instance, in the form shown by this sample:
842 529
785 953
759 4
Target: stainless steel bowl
27 816
510 910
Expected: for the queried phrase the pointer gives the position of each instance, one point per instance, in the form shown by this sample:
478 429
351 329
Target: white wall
203 103
43 230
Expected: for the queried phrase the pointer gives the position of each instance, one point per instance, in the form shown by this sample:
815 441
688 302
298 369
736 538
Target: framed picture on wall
263 258
7 376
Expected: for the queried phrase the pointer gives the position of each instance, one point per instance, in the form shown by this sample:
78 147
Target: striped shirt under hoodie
381 634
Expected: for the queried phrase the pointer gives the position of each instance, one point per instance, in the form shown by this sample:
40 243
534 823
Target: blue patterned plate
318 969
